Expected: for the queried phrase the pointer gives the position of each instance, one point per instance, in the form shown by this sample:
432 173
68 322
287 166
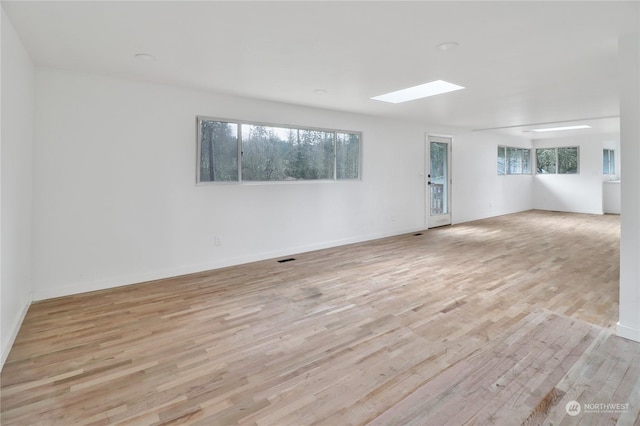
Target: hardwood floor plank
486 322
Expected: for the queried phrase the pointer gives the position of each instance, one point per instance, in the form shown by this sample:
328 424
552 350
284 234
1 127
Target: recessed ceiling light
320 91
449 45
417 92
555 129
144 57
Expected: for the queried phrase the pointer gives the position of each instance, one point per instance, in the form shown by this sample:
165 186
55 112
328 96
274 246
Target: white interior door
438 181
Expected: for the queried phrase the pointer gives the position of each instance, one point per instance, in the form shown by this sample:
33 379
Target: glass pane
348 156
568 160
439 178
218 151
316 148
545 160
514 161
608 163
526 161
612 163
280 154
501 160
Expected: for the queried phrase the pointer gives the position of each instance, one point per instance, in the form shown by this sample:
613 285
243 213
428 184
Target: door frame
427 172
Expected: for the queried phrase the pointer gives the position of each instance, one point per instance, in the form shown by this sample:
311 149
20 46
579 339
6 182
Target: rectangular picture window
563 160
248 152
514 161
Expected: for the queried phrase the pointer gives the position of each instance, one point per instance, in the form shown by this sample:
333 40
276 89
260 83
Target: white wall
478 190
577 193
115 200
629 52
16 184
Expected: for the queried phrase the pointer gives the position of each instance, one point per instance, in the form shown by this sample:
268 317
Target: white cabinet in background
611 197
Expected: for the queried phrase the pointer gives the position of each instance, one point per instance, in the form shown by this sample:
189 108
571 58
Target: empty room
320 213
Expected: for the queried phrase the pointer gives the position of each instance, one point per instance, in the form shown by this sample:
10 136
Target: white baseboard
8 343
628 332
87 286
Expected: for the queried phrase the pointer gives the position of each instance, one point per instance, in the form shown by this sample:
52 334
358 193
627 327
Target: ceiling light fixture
449 45
144 57
417 92
555 129
320 91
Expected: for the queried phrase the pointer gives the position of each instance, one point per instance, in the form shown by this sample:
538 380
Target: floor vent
418 234
291 259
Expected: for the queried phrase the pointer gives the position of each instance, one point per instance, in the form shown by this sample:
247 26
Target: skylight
417 92
554 129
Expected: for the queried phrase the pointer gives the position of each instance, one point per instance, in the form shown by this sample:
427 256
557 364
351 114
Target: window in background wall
514 161
563 160
608 163
347 155
546 160
502 158
281 154
218 148
568 160
526 161
249 152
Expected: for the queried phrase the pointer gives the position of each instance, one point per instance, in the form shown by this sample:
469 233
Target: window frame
557 160
609 154
577 148
506 167
240 123
199 151
504 160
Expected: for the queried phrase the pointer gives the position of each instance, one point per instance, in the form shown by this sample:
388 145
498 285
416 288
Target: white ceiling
521 62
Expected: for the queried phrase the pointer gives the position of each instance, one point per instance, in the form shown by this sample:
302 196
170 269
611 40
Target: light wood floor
498 321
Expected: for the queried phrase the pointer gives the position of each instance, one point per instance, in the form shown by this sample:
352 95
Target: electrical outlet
216 241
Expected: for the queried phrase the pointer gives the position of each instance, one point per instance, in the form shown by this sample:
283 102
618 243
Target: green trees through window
546 160
564 160
260 153
219 160
568 160
347 155
277 154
